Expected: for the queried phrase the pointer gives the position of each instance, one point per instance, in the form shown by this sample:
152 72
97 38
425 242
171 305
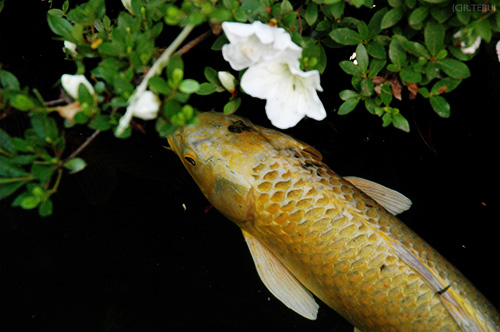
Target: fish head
219 151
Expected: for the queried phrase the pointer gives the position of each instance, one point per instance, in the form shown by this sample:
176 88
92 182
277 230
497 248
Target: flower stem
162 61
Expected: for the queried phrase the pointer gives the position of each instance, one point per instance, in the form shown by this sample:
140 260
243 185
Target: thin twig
83 146
186 48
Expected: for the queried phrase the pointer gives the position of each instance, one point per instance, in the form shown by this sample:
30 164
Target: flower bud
71 83
227 80
71 47
146 106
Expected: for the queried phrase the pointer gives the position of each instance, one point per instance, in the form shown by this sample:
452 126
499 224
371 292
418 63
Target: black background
121 253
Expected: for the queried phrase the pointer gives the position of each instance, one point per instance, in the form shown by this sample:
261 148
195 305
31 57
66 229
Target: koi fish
310 230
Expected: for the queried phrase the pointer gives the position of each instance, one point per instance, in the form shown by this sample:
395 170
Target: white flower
145 106
290 92
227 80
498 50
127 4
70 46
71 83
251 43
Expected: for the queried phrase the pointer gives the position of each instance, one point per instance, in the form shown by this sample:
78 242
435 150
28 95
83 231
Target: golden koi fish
310 230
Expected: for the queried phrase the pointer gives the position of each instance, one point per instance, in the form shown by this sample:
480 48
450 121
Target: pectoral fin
391 200
280 282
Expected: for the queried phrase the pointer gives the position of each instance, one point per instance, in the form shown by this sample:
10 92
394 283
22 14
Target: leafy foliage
402 49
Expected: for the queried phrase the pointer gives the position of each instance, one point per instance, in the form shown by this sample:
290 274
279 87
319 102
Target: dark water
134 246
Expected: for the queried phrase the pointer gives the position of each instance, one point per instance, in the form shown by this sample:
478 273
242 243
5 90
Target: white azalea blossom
71 83
145 106
290 92
251 43
498 50
227 80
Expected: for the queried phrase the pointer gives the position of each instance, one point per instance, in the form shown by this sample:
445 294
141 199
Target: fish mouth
172 142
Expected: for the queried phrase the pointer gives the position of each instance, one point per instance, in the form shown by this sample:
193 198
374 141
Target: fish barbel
309 229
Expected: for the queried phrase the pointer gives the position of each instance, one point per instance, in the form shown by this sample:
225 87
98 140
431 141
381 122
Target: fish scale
338 242
348 265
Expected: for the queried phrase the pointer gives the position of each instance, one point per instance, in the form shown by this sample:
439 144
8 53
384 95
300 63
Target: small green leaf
189 86
232 106
30 202
483 27
400 122
9 81
206 89
311 14
159 85
418 16
22 102
376 65
45 208
59 25
345 36
386 94
350 68
391 18
348 94
348 106
440 106
211 75
75 165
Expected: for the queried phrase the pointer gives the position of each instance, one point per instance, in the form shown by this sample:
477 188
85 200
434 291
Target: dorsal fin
284 141
391 200
280 281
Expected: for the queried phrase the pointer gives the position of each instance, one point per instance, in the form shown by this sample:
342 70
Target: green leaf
337 9
159 85
400 122
350 68
408 75
376 65
232 106
397 54
362 58
42 172
22 102
374 24
376 50
416 49
391 18
211 75
311 14
454 68
434 37
45 208
440 106
9 81
6 144
386 94
483 27
189 86
348 106
345 36
75 165
348 94
445 85
7 189
59 25
30 202
206 89
417 17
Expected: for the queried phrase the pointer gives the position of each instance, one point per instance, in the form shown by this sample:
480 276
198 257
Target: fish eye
190 160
